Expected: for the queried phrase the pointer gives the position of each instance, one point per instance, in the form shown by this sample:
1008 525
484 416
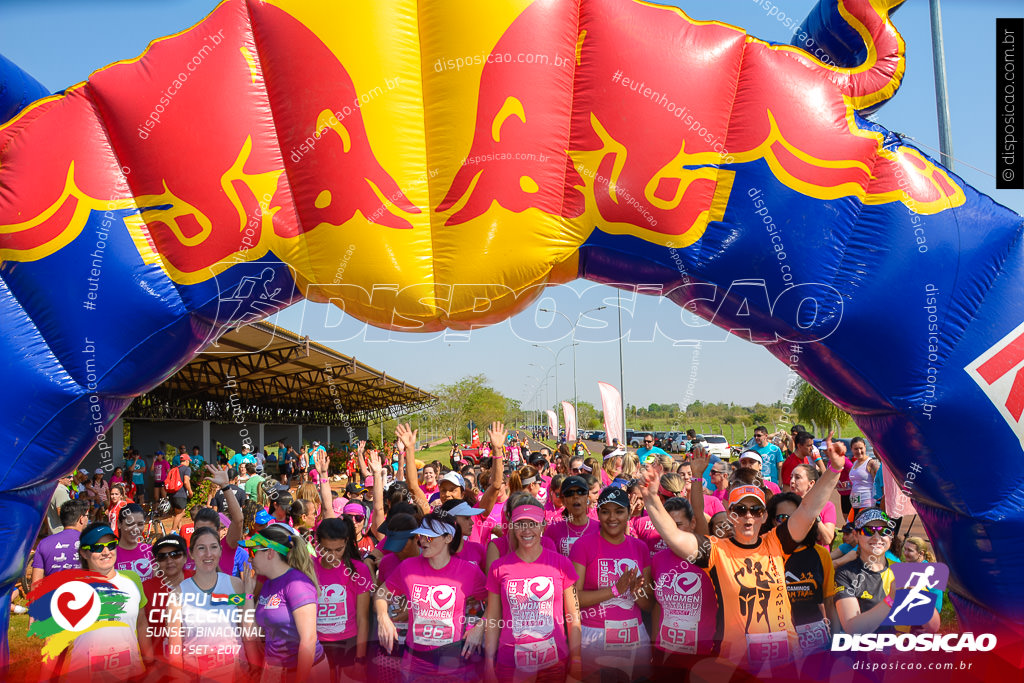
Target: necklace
569 525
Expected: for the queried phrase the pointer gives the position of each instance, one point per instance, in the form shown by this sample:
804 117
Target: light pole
575 395
556 355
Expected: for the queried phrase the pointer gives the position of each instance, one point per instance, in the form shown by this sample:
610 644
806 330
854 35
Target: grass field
24 650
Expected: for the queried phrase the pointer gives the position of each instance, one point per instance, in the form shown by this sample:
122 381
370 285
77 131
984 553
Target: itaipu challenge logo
69 603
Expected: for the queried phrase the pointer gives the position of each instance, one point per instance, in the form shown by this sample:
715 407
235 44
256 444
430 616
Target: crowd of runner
503 564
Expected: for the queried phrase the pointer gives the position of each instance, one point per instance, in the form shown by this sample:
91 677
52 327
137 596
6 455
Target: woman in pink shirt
460 512
612 464
686 607
98 490
553 504
500 546
614 585
437 587
576 521
343 613
531 601
429 486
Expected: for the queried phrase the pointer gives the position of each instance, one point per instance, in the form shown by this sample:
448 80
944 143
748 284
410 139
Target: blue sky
61 42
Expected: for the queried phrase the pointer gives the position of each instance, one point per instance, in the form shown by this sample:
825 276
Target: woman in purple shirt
286 606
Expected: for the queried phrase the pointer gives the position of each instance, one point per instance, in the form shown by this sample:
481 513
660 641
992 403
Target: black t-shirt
807 584
221 503
855 580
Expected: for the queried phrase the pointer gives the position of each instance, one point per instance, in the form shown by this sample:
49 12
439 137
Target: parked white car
716 444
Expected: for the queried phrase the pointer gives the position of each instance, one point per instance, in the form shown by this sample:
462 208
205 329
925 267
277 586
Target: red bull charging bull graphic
389 159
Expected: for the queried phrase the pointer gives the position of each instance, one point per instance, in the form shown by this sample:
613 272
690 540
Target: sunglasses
717 471
742 510
883 531
100 547
574 493
779 519
173 555
648 441
357 518
253 551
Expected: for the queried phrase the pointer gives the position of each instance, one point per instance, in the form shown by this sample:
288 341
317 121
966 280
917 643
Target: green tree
587 416
470 398
813 407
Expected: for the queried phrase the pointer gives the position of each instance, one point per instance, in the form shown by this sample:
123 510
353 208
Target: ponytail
299 554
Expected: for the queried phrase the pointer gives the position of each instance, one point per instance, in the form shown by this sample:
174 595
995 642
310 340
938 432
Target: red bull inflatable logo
578 122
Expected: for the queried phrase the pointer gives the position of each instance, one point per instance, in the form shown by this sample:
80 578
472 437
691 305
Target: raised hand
218 475
836 455
496 433
373 462
699 461
321 462
406 436
648 482
248 579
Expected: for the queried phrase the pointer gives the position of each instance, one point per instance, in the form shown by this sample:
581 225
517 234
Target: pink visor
528 512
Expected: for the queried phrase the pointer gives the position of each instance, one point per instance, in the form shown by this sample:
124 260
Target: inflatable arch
223 174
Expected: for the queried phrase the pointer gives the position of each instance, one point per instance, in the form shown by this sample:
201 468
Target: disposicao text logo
72 602
915 590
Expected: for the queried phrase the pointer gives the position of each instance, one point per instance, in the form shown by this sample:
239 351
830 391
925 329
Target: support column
207 448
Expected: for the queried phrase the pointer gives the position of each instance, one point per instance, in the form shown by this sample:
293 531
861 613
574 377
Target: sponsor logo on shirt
803 586
532 606
434 602
271 601
679 591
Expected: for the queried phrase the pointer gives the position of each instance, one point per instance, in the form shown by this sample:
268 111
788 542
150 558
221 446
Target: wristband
694 480
888 600
615 590
224 488
832 469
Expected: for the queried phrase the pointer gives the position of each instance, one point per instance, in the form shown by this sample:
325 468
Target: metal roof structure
264 373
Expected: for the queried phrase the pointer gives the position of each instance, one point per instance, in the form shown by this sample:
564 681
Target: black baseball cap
354 489
613 494
169 542
574 482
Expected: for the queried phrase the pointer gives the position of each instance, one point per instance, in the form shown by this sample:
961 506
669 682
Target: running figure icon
916 597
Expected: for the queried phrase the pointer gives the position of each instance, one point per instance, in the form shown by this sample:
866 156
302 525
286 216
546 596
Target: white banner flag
569 412
897 503
553 423
611 404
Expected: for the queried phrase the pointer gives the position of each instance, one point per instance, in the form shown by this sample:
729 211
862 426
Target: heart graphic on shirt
684 584
540 589
442 597
75 606
624 565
